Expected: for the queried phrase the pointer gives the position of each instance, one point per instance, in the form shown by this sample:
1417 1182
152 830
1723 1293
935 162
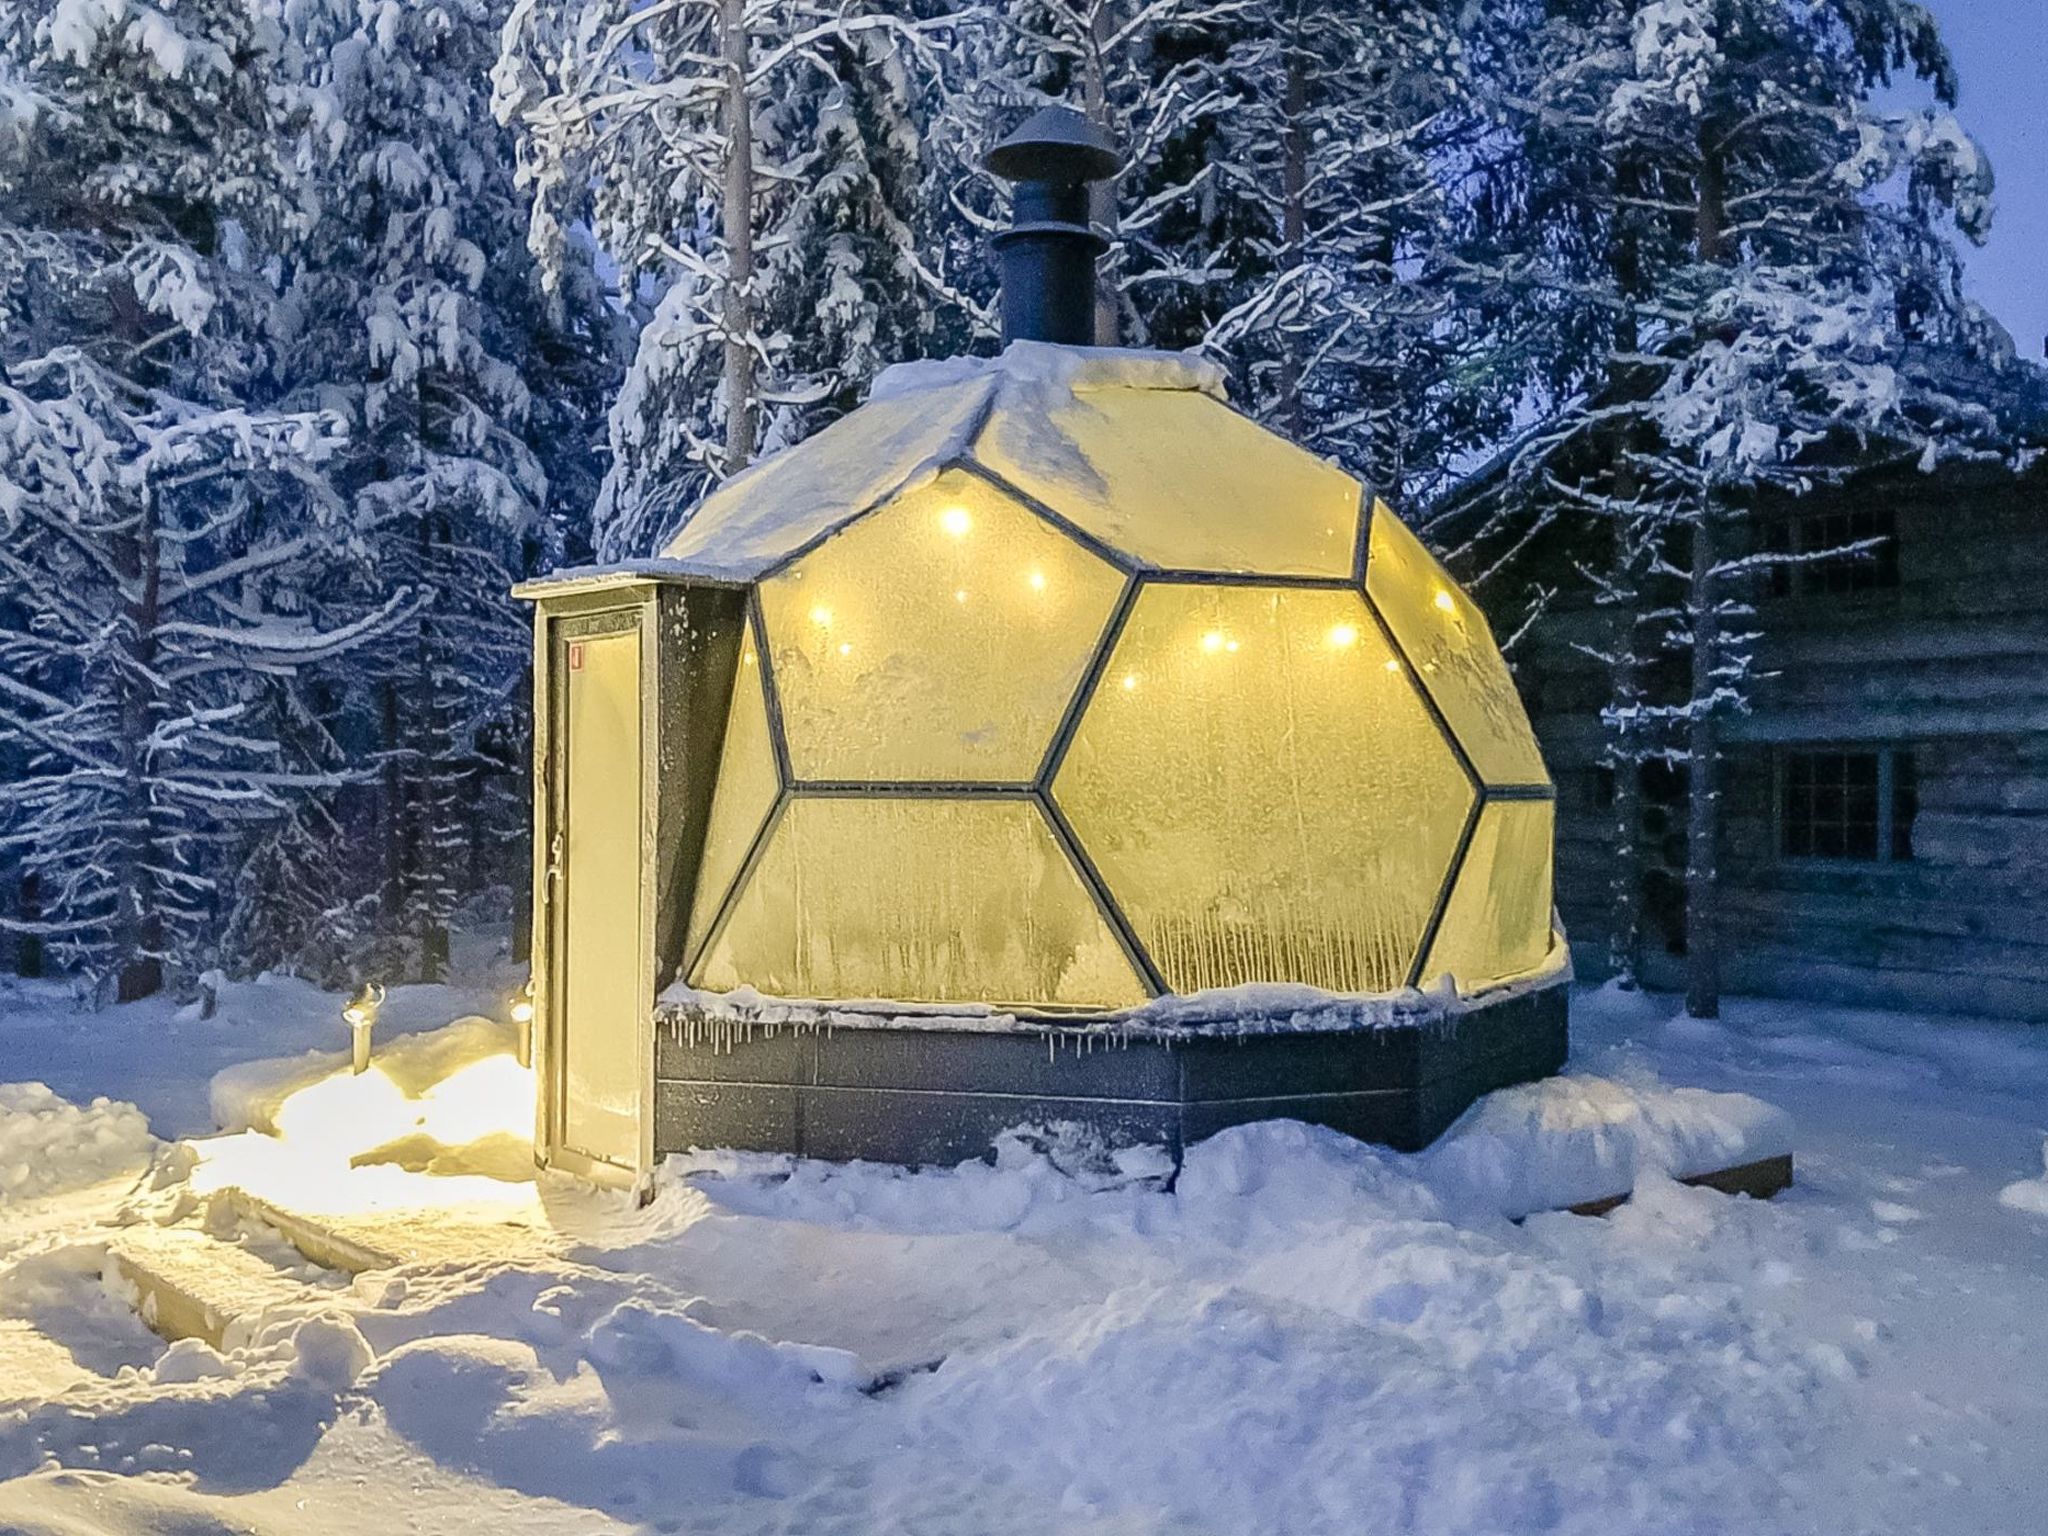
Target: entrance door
603 1014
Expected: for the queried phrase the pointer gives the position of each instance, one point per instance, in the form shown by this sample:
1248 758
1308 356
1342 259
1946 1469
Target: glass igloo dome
1064 687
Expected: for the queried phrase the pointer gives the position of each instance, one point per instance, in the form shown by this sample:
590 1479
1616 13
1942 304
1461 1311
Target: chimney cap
1055 144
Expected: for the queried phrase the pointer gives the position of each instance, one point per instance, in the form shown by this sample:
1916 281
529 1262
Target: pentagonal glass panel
776 507
1263 791
1177 480
1447 638
747 786
939 639
919 900
1498 922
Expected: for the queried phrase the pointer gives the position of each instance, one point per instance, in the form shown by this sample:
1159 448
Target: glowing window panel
1447 638
1179 481
940 639
1269 807
921 899
1498 922
747 786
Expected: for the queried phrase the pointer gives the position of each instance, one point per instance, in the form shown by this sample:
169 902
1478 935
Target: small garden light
360 1015
522 1016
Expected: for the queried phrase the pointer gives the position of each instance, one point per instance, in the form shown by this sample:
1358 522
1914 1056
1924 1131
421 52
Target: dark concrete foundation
925 1092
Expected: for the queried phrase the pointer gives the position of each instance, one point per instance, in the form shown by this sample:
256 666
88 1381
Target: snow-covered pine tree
750 170
1751 260
419 319
1347 119
166 544
1156 78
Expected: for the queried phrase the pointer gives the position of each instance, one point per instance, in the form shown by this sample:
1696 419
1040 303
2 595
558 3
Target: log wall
1951 665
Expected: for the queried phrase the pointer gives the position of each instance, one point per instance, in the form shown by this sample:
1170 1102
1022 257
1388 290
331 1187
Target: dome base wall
922 1089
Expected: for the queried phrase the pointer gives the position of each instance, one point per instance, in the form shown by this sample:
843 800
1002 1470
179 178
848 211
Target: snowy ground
1306 1335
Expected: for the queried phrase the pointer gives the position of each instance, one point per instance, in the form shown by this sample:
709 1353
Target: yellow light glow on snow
491 1097
346 1114
352 1144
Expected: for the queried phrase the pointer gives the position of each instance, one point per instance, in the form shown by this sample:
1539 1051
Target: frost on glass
1263 791
747 786
1446 637
941 638
919 900
1181 482
1498 922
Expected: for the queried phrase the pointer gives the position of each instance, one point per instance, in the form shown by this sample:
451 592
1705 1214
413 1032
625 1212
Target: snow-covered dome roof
1065 685
1137 449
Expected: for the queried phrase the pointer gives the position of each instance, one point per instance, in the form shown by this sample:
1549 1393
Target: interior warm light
1212 642
1443 601
1343 635
1038 581
822 617
845 648
960 595
1130 681
1392 665
956 521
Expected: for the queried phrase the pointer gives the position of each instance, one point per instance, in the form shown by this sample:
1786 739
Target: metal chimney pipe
1048 252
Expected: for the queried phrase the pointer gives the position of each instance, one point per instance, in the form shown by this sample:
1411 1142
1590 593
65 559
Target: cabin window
1853 804
1837 566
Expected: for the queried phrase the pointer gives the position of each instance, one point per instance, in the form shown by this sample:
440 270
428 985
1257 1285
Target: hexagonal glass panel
940 639
921 899
748 783
1498 922
1263 791
1447 638
1179 481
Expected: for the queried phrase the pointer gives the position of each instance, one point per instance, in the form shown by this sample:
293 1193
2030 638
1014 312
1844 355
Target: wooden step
1759 1180
190 1285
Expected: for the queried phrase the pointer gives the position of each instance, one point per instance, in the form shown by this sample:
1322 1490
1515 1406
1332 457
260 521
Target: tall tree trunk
1703 787
1633 571
139 933
1102 194
1702 744
28 950
1293 232
1625 761
427 842
742 425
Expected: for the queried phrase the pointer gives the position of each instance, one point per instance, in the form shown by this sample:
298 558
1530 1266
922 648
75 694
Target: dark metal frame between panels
1039 789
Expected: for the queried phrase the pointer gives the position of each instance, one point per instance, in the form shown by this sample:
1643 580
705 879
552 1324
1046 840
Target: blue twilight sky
2001 54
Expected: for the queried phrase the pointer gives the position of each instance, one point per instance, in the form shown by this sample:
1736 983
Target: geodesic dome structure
1064 686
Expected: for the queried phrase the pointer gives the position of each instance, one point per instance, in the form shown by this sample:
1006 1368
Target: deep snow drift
1304 1335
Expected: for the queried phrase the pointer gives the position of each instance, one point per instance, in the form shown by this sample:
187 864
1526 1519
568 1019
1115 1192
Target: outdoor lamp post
522 1017
360 1015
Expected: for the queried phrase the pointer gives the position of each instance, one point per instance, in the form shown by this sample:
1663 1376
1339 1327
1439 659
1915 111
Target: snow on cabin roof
1128 441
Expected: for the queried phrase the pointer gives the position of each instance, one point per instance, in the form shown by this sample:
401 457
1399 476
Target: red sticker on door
576 656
